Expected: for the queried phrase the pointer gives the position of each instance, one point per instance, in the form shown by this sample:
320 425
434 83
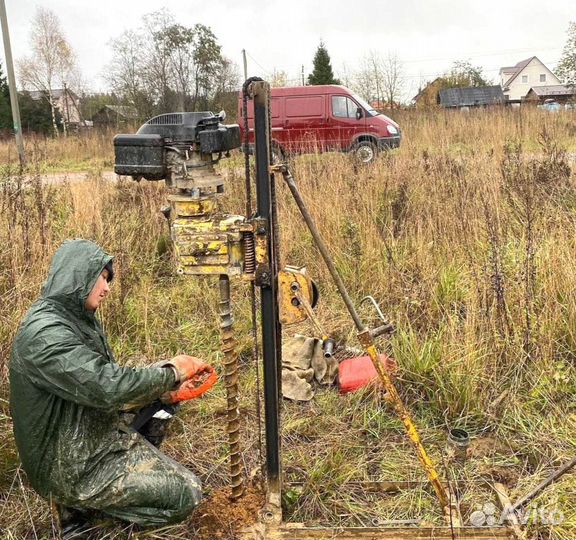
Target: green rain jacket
66 392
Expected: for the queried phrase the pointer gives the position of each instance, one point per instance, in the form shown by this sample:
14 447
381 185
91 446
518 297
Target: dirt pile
219 518
483 447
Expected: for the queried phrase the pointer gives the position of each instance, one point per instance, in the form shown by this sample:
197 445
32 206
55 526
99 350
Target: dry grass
465 235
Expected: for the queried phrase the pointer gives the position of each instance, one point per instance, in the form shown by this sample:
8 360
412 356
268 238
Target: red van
325 118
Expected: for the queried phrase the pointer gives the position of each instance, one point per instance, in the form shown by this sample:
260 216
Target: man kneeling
66 394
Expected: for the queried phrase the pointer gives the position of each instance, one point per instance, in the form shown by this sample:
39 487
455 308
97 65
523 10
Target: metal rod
367 342
322 248
250 240
544 484
271 340
310 312
231 383
245 64
12 86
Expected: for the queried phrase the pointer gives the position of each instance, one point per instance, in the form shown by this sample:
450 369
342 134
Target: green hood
73 272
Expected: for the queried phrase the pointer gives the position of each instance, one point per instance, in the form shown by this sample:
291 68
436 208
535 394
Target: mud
487 447
219 518
508 476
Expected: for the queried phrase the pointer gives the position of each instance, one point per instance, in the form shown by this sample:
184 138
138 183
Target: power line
266 71
297 80
481 55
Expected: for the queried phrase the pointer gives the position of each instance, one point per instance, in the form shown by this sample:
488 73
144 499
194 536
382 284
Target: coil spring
249 253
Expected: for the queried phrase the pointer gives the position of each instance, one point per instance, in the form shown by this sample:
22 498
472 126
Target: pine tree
36 114
566 69
322 72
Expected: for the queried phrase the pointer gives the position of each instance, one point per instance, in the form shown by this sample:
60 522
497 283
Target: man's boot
73 524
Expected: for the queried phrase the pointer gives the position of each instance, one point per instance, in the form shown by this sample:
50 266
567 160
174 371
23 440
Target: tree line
162 66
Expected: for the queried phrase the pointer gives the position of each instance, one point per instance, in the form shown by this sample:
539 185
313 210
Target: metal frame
267 280
271 525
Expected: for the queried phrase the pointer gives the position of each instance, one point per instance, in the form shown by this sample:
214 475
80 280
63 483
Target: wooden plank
506 505
297 531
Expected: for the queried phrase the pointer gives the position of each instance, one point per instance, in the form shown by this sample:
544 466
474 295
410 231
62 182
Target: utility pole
245 64
303 83
12 86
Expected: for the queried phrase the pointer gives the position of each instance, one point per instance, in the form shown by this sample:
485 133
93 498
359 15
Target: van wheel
365 151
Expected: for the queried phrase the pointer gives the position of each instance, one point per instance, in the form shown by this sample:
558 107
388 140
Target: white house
66 101
516 81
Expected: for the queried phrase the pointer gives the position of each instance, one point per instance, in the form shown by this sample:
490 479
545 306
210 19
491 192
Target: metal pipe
367 342
322 248
271 339
544 484
12 86
231 383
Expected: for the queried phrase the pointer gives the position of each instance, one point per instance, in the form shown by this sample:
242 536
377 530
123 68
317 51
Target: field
465 235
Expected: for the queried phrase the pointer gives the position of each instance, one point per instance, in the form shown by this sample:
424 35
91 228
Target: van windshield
371 110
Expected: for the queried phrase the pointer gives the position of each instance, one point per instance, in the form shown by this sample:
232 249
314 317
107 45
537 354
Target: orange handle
188 390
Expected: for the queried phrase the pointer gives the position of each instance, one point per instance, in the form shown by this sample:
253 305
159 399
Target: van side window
343 107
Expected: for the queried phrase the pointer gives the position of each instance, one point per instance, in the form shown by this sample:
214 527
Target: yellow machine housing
291 280
206 241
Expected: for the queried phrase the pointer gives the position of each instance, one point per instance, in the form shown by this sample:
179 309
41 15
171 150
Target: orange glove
186 366
193 387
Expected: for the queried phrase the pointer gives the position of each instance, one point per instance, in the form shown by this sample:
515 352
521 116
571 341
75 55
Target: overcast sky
427 36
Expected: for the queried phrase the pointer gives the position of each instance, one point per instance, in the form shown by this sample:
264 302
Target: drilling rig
182 149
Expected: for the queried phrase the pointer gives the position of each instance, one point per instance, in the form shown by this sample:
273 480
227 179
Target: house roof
57 93
552 90
471 96
518 68
424 88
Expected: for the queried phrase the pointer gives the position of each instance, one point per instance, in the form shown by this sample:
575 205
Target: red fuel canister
354 373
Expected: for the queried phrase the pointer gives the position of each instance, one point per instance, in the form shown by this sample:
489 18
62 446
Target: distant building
518 80
428 95
66 101
557 92
481 96
115 115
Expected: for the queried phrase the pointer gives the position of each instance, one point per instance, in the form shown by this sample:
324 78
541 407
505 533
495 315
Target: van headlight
392 130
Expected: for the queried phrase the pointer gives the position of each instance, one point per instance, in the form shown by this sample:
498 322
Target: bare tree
165 66
207 63
392 79
228 77
380 79
368 80
180 41
126 72
157 56
344 75
363 81
278 78
52 61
